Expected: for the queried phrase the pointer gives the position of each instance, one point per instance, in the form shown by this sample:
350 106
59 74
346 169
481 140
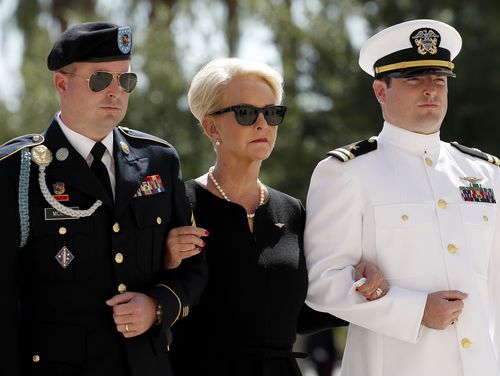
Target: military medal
475 192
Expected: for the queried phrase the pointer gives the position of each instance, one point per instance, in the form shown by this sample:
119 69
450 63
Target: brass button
466 343
485 218
36 358
119 258
404 217
442 204
158 220
122 288
116 227
428 162
62 230
452 248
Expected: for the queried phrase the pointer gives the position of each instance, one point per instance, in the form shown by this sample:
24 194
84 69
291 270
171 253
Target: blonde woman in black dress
248 316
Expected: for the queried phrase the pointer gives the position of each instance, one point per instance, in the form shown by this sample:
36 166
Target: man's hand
133 313
443 308
183 242
375 286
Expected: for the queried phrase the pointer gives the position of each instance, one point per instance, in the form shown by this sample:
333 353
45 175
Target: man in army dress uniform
422 209
86 208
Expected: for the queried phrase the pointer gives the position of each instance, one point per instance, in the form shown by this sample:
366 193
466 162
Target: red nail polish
206 233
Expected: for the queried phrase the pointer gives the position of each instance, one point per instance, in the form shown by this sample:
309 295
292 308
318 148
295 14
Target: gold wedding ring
126 328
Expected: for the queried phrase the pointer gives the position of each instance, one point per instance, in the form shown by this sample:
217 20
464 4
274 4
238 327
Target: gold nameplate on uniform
52 214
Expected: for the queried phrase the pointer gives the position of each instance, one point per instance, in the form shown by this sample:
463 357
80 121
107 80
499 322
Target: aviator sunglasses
247 115
100 80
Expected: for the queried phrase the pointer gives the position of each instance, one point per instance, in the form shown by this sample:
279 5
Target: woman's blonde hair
205 92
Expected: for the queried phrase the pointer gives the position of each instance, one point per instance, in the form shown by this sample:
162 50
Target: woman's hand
183 242
375 286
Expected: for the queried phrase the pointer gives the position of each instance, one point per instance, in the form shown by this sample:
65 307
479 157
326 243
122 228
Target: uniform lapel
130 170
74 170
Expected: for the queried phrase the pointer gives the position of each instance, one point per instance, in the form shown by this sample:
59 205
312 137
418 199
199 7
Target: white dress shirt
83 145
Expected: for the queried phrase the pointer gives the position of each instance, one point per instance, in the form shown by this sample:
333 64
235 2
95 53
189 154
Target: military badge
64 257
151 185
425 41
475 192
59 189
62 154
125 39
41 155
124 147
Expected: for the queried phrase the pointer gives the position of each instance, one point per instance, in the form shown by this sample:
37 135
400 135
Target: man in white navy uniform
422 209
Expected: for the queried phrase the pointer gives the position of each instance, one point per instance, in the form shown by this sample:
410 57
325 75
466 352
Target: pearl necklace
223 194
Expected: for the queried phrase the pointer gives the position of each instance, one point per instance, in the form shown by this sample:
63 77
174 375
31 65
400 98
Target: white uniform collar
83 145
411 141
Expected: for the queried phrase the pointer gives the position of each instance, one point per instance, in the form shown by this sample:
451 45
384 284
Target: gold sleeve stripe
415 64
339 154
346 152
178 300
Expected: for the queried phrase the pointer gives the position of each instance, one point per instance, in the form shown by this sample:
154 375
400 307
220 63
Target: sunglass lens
128 81
274 115
246 115
100 81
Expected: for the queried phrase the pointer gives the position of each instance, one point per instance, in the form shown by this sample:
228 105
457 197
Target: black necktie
100 169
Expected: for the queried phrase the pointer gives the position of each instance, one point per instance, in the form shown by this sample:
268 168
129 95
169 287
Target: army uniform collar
83 145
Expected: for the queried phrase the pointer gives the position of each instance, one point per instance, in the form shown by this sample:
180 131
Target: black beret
91 41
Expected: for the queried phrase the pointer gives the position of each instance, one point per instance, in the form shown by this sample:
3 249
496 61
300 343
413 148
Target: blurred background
314 43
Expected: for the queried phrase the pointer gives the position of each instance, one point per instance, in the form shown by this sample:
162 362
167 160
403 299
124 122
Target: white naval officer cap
412 48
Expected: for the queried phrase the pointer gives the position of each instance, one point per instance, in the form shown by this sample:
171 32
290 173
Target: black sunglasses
247 115
100 80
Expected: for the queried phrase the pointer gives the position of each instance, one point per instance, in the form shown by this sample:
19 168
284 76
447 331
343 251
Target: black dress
246 321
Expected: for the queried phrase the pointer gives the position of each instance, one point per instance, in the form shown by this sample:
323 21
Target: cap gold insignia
426 41
124 147
41 155
280 225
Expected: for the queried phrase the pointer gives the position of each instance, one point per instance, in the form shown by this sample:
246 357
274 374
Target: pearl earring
217 142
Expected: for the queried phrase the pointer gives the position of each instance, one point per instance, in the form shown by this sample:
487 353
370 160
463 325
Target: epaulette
476 153
141 135
11 147
351 151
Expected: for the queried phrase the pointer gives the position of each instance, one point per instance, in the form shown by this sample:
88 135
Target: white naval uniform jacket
400 206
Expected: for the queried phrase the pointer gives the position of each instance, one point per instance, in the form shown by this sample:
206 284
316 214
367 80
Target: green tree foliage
330 99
